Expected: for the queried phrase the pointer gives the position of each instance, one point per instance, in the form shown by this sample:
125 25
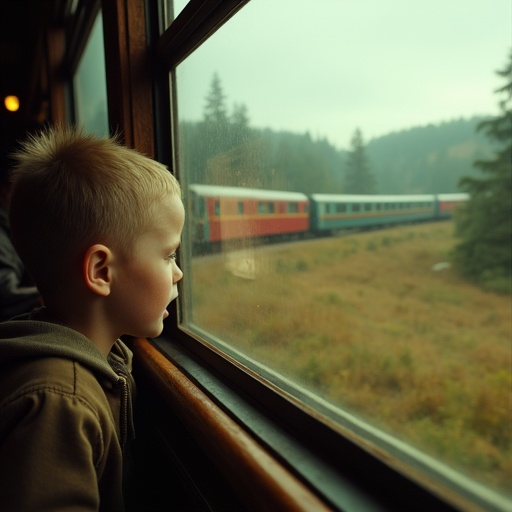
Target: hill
427 159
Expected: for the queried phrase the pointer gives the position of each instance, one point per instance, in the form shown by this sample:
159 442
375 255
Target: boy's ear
96 269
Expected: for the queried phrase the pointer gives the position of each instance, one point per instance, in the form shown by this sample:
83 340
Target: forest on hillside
224 149
428 159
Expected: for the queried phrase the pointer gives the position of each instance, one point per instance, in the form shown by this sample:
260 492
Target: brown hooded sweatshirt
65 418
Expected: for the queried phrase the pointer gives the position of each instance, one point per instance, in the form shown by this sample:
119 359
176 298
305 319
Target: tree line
223 148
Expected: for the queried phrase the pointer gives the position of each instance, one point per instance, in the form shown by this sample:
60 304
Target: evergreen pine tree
484 226
215 111
358 176
214 132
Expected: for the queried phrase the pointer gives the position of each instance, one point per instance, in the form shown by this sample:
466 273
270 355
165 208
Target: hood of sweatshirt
38 335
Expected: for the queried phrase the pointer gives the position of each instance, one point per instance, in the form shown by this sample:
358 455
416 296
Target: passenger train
225 213
217 431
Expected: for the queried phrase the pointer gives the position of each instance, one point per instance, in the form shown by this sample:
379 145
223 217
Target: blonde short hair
71 190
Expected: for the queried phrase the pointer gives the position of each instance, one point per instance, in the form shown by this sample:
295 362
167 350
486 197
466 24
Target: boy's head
71 190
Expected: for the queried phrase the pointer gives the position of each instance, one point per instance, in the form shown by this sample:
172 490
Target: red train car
227 213
447 203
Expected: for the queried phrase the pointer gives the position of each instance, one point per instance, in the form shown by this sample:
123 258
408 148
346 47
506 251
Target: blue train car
330 212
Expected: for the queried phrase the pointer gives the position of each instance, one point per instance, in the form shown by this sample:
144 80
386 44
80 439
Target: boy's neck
85 322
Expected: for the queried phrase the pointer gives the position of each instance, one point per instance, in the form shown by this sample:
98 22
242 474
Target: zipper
126 409
123 414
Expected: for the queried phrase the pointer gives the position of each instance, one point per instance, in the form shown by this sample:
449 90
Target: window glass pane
172 10
89 82
289 103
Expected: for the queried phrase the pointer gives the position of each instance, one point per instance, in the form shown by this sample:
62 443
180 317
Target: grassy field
365 322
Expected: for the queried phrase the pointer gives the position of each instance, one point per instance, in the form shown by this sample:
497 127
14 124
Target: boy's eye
172 256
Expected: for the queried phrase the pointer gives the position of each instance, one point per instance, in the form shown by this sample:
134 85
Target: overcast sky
330 66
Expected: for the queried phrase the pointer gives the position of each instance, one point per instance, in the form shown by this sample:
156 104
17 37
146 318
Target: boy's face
147 277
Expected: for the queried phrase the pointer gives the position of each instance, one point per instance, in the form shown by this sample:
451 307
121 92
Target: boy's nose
177 273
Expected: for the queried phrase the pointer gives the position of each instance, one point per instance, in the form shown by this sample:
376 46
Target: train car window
292 208
240 207
201 206
378 334
89 84
216 206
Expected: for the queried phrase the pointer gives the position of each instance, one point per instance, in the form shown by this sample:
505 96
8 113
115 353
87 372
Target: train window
199 204
173 8
367 207
216 206
292 207
89 84
377 337
240 207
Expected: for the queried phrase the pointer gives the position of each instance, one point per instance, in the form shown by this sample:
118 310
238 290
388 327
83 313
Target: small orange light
12 103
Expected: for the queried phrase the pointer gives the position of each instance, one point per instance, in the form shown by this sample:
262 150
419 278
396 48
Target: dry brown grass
365 322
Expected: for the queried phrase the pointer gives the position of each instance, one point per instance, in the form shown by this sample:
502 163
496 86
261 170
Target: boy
97 225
